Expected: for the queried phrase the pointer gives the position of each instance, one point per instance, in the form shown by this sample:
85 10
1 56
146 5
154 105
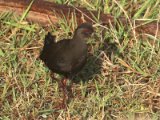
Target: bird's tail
49 39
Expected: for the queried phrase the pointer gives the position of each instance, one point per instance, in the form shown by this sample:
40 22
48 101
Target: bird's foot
61 106
53 77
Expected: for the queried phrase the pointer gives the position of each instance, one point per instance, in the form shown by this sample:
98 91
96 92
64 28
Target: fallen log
46 13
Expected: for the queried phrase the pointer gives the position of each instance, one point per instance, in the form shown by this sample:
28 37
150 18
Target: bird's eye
87 32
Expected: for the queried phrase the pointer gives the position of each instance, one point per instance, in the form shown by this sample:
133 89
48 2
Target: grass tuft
120 80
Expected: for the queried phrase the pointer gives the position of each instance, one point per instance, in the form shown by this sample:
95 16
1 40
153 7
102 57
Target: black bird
68 56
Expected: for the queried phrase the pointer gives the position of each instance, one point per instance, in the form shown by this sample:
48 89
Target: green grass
122 73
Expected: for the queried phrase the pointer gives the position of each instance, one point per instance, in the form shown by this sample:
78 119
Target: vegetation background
120 81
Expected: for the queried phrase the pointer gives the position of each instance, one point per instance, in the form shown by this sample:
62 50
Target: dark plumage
67 56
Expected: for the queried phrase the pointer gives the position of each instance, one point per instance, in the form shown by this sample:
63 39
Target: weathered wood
45 13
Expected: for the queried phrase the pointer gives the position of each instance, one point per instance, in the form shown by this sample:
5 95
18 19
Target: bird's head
84 30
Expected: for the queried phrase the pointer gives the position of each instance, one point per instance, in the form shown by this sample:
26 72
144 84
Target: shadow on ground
90 70
94 63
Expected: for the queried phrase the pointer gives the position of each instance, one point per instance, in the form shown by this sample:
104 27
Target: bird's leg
64 82
70 90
